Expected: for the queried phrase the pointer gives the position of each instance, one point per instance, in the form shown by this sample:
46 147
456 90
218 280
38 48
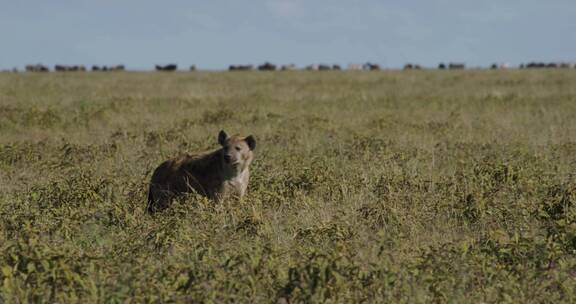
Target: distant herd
267 66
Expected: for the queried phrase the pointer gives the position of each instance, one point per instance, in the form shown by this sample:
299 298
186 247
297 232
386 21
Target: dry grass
416 186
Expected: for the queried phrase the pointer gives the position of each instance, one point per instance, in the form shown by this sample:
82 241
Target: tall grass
415 186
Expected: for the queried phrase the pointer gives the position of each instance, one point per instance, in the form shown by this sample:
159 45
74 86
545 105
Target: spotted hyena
215 174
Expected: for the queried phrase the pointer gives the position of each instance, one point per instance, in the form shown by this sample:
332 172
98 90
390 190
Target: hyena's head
237 151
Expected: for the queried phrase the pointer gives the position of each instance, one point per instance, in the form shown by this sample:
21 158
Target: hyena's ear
222 137
251 141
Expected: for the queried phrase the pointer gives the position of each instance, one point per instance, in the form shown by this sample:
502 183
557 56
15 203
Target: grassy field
387 187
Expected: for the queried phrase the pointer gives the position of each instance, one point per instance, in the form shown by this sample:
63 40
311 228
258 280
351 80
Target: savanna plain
367 187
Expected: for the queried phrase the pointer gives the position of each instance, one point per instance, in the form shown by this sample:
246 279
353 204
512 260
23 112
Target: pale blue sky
214 34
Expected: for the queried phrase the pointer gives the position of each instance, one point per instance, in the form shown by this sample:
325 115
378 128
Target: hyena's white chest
237 185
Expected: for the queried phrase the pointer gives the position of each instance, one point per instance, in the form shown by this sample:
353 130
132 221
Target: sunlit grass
416 186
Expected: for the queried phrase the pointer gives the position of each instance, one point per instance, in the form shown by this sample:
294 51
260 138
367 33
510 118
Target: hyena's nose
227 158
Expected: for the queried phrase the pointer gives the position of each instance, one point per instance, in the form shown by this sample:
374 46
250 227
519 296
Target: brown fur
215 174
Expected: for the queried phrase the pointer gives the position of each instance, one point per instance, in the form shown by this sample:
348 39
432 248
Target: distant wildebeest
69 68
241 67
456 66
216 174
536 65
371 66
336 67
288 67
37 68
267 66
501 66
167 68
118 67
441 66
193 67
411 66
324 67
105 68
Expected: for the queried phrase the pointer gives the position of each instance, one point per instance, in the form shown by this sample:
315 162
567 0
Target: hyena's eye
237 148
